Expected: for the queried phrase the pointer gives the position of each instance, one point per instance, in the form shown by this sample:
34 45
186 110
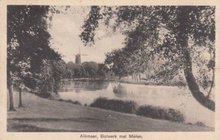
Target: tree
103 70
70 70
118 62
164 31
23 71
28 39
91 68
75 70
58 69
126 61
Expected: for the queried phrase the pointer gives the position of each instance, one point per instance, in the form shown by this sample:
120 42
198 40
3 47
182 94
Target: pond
164 96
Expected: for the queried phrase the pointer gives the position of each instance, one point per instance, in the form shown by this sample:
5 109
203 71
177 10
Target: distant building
78 59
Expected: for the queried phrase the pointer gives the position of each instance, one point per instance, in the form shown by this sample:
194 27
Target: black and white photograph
111 68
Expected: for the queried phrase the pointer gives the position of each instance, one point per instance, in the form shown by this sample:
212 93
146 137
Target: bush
131 107
70 101
200 124
115 105
160 113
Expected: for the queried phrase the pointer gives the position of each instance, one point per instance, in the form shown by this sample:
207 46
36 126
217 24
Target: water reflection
77 86
119 90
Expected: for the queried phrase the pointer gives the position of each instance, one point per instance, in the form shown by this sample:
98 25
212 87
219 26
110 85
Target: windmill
78 57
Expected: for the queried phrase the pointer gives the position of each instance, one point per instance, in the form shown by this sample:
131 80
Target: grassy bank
44 115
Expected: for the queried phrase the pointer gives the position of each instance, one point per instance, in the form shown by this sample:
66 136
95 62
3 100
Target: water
164 96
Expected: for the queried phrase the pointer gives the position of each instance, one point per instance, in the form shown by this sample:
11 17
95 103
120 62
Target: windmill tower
78 57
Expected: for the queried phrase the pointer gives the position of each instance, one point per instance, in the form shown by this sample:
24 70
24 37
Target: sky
65 29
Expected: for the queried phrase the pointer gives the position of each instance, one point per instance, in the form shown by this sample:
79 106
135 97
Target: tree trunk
197 94
10 91
212 84
20 99
190 79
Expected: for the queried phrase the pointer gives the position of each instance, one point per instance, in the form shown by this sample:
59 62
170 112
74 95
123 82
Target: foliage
103 70
87 69
50 77
160 113
28 45
70 101
118 62
27 28
88 34
132 107
115 105
91 68
167 33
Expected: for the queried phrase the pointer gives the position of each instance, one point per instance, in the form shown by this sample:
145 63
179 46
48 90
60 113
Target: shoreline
141 82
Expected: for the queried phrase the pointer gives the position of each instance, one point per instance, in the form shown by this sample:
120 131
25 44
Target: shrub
147 110
70 101
200 124
160 113
115 105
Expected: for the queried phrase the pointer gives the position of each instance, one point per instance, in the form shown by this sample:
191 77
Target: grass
45 115
132 108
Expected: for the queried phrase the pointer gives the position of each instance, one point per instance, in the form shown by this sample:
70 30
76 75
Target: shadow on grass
82 119
31 128
26 124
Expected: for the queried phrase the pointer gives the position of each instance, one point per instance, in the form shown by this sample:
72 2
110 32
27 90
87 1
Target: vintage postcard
109 70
